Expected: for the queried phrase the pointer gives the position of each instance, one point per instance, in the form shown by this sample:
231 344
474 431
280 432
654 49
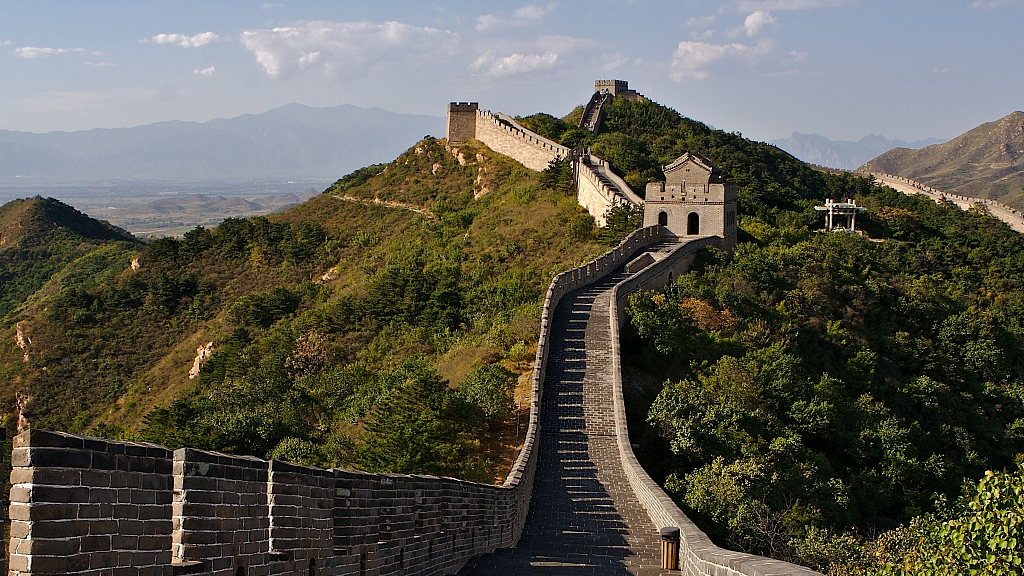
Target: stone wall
598 188
505 136
86 506
461 122
698 556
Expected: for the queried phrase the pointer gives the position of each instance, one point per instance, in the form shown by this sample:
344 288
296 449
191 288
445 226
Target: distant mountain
291 141
843 154
987 162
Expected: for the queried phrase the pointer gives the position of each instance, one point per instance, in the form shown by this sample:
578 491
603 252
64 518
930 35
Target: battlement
463 106
617 88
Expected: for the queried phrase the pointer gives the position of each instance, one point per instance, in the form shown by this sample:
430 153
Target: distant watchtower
461 122
694 200
618 88
604 92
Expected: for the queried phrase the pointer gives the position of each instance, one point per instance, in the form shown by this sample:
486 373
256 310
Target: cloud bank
691 59
544 53
525 16
184 41
35 53
345 49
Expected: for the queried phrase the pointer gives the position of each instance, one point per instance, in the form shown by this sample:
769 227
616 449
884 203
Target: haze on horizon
766 68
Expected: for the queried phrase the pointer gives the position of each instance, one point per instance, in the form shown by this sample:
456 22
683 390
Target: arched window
240 571
663 218
312 567
693 223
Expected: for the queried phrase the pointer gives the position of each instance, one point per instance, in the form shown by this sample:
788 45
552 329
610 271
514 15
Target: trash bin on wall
670 548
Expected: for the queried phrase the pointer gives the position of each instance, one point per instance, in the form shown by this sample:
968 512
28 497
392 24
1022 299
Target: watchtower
618 88
694 200
461 122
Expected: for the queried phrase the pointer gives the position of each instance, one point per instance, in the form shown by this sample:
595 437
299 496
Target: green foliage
822 387
558 176
983 533
420 425
621 221
490 388
355 178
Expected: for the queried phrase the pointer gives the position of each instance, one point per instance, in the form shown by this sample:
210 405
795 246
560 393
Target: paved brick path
584 518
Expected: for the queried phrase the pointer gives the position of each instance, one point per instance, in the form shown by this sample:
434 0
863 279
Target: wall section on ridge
506 136
598 188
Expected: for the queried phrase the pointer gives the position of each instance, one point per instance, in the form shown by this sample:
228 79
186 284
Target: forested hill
805 394
39 237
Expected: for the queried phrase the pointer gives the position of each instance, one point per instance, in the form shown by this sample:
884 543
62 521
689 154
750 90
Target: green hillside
328 321
985 162
39 237
801 398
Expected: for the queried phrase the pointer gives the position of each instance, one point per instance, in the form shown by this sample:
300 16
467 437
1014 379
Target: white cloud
205 71
754 5
99 64
525 16
691 59
201 39
756 21
541 54
515 63
34 53
345 49
938 70
5 43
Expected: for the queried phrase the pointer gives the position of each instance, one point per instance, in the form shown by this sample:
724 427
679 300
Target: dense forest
822 390
849 402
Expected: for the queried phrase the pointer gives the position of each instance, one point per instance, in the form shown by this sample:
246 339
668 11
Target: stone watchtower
461 122
694 200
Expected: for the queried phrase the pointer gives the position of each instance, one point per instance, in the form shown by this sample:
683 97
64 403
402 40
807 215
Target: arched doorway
693 223
663 218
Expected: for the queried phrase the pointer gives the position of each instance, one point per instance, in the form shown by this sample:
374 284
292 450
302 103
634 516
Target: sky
905 69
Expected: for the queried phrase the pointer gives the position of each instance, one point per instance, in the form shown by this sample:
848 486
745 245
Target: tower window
663 218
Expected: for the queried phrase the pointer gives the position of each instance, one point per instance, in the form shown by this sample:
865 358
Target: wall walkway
594 509
1013 217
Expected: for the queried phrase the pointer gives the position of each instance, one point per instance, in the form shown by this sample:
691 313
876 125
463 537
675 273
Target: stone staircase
584 517
593 113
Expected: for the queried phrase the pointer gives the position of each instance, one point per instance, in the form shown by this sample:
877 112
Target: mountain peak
986 161
31 219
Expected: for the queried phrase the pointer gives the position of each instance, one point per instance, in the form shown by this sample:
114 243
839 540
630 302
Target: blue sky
766 68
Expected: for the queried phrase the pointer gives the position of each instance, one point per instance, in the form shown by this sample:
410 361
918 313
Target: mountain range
290 141
986 162
843 154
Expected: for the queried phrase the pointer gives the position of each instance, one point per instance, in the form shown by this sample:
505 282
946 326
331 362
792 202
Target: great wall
575 502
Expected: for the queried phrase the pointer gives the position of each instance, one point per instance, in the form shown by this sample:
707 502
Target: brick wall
221 515
503 135
84 506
